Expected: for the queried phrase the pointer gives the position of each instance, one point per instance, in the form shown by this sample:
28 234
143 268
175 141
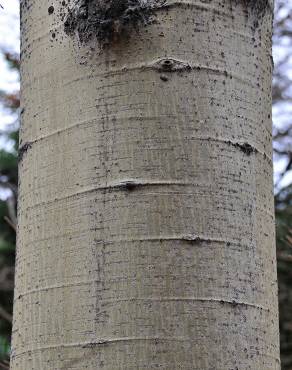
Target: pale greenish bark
146 220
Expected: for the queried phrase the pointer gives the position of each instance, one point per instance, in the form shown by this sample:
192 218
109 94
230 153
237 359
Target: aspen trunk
146 220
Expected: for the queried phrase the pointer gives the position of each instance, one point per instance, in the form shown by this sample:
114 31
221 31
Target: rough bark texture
146 220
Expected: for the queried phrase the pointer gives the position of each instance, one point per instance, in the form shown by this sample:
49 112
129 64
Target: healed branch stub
145 216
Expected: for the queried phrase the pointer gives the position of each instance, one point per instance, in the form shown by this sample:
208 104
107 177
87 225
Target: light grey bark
146 220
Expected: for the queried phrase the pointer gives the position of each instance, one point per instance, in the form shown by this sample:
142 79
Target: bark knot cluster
106 20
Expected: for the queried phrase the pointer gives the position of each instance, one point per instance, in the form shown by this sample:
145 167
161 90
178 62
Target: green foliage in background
283 202
8 209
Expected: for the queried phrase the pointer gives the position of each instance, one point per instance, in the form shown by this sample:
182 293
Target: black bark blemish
171 65
97 343
245 147
167 64
196 239
106 20
128 186
22 150
51 10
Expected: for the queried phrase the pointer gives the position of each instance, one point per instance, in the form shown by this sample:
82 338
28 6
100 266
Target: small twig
284 257
10 223
4 365
11 205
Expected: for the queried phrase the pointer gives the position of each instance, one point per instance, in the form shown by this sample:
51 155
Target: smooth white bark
146 220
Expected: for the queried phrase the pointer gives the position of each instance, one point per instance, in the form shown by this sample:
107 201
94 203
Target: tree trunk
146 220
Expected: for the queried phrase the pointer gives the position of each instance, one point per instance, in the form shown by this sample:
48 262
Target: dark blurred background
282 130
